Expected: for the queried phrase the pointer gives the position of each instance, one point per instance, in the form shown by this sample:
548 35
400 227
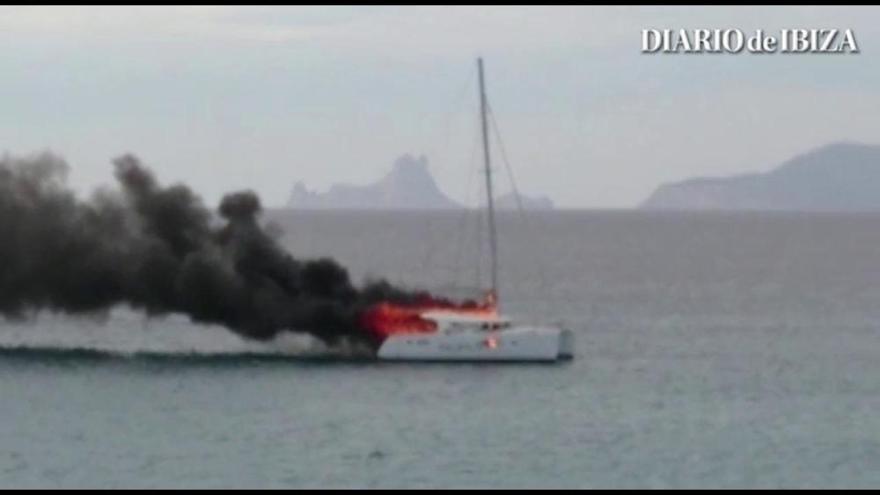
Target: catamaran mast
493 241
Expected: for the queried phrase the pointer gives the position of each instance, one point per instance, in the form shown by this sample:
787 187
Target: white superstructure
470 338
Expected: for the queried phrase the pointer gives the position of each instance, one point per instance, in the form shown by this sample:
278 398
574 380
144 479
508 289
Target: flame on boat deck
385 319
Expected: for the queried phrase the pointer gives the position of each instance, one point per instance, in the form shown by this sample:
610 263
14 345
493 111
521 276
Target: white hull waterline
516 344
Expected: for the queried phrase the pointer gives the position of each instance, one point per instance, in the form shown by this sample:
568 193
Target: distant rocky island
408 186
836 177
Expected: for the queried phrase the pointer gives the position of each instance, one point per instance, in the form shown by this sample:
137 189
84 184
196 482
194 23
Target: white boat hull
513 344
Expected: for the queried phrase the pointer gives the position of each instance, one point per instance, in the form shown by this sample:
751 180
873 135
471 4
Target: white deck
478 338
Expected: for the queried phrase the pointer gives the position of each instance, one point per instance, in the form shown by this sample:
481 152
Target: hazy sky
227 98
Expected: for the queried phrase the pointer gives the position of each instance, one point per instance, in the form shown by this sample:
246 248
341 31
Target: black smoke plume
160 250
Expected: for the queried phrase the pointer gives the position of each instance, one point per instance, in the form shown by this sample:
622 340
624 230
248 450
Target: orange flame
385 319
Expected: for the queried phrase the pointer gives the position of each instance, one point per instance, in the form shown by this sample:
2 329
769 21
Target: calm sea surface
713 350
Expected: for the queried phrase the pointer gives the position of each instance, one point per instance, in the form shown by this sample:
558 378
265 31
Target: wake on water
75 354
126 334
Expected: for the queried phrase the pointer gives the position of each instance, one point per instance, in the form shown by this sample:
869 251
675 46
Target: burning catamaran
433 329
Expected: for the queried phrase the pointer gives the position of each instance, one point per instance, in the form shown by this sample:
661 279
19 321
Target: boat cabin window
457 326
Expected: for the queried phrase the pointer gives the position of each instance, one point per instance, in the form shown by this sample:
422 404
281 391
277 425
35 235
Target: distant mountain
408 185
508 202
836 177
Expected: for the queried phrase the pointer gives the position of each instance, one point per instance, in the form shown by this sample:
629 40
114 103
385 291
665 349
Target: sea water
712 350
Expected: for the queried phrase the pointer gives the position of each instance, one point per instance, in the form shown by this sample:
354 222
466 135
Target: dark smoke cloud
159 250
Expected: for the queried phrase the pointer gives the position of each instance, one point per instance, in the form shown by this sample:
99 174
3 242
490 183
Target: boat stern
566 344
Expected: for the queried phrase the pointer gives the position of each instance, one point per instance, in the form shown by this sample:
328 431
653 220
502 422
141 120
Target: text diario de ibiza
831 40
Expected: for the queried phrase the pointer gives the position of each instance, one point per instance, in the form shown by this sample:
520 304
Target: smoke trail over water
160 250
